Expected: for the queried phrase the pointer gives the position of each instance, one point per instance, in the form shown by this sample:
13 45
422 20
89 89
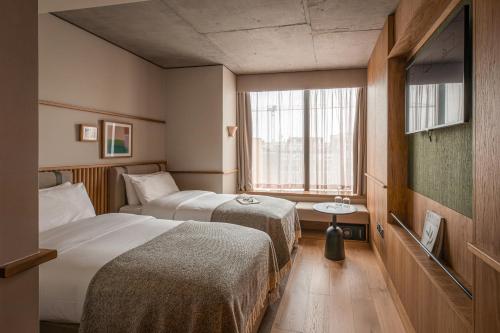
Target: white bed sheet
186 205
83 248
131 209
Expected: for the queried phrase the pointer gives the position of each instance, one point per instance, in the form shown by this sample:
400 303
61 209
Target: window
278 139
303 139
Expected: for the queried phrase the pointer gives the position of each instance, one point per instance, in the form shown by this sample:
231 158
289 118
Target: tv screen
438 78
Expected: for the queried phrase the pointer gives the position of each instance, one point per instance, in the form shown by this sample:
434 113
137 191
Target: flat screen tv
438 77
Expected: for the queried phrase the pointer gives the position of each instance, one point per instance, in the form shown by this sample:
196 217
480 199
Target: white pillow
154 186
132 198
63 204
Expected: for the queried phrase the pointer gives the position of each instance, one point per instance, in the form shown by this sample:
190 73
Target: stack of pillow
145 188
63 204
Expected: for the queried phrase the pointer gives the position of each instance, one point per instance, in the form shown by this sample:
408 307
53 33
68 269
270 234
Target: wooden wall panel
377 136
377 107
404 12
458 232
413 20
487 125
370 120
397 154
487 161
432 302
95 179
487 295
377 207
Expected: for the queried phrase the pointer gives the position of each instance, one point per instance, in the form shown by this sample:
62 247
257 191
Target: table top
334 208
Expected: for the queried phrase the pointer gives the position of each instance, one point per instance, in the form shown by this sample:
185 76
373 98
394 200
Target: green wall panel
441 169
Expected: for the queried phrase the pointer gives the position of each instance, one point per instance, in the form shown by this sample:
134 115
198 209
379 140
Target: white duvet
83 248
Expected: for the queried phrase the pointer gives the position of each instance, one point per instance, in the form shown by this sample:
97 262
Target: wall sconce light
231 131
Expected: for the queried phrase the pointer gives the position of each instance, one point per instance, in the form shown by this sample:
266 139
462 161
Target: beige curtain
244 141
359 145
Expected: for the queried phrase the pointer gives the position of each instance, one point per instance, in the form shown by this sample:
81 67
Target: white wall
78 68
339 78
194 118
201 104
18 163
229 119
197 103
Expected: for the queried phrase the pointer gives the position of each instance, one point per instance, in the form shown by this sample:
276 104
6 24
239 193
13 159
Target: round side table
334 245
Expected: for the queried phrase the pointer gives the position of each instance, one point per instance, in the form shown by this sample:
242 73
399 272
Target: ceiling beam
50 6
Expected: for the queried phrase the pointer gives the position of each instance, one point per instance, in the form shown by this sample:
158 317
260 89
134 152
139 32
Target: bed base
55 327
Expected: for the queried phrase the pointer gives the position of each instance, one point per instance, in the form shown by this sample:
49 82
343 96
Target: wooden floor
326 296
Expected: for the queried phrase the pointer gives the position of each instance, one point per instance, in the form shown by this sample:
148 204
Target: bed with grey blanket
277 217
194 278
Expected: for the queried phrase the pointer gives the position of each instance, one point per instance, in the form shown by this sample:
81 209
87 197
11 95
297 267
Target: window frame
306 130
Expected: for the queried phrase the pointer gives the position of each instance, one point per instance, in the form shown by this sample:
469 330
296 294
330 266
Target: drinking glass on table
338 201
346 202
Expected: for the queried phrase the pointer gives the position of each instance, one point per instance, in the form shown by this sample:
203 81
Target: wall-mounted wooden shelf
15 267
98 111
449 291
488 259
206 172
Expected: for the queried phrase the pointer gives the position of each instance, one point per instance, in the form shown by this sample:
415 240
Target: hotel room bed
132 273
277 217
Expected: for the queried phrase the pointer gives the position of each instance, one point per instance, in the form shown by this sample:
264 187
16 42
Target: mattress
131 209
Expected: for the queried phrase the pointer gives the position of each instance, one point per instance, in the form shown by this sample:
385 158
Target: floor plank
325 296
341 317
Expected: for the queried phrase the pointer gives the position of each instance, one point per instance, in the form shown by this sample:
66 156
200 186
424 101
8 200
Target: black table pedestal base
334 245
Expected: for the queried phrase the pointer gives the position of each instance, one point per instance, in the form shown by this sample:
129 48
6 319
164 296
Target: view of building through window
303 139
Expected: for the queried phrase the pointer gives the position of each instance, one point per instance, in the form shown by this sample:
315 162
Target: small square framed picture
88 133
116 139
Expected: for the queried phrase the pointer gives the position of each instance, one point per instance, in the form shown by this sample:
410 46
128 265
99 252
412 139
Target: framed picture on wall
88 133
116 139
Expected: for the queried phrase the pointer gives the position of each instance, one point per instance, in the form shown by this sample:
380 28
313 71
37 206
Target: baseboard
393 292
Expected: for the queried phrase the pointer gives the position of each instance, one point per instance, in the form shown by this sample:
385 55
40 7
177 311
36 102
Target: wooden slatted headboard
95 179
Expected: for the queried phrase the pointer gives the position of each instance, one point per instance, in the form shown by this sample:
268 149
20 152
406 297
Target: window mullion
306 140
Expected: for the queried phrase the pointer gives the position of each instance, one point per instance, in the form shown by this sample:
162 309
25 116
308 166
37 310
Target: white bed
128 186
191 205
83 248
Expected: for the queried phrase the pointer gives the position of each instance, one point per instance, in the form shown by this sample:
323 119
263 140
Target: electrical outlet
380 230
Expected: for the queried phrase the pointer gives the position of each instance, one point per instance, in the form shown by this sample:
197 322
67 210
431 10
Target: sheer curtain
331 145
434 104
423 111
278 139
454 103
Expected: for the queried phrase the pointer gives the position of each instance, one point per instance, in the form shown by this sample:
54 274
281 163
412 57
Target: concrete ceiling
258 36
